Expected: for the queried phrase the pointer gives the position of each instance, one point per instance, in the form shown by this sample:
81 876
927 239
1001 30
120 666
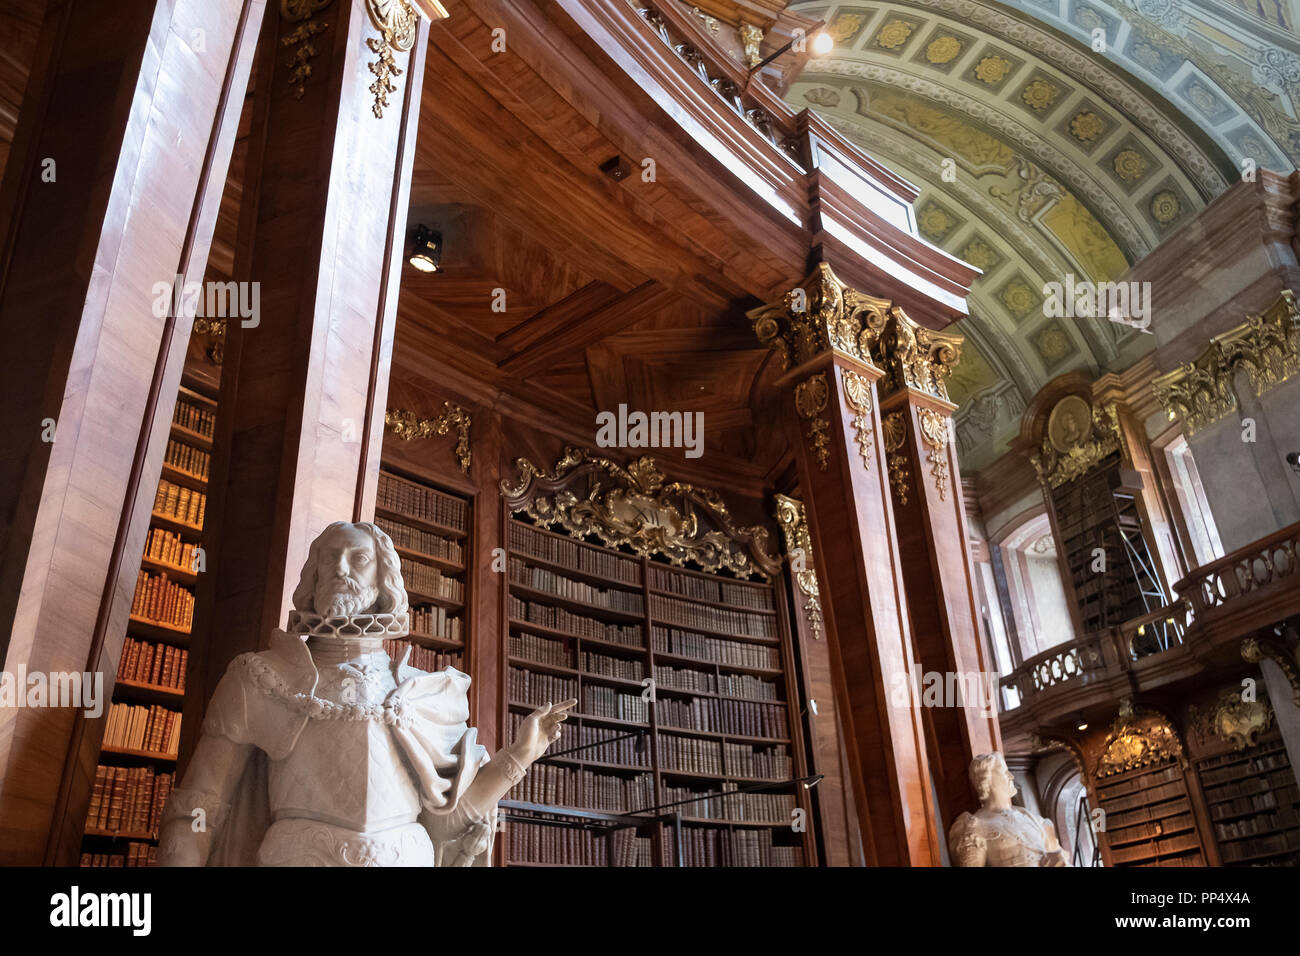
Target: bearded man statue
323 751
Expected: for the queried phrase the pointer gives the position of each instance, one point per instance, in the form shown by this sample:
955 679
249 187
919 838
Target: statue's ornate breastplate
1013 837
346 767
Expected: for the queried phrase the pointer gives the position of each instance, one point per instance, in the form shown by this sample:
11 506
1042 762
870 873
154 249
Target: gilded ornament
406 425
992 69
1039 94
396 22
295 10
895 427
708 21
1075 442
810 397
893 34
845 26
798 548
1129 165
942 50
1165 207
1254 650
934 221
857 394
1233 720
752 37
935 431
586 494
1138 740
1086 127
1019 299
980 254
1267 346
1052 343
824 314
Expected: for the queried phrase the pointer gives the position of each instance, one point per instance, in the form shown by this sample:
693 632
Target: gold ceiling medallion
406 425
824 314
798 549
1137 740
1077 438
1254 650
304 51
899 474
857 393
1266 346
590 495
934 432
396 21
810 398
1235 721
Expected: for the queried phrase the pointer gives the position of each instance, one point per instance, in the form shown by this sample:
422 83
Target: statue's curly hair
392 589
981 773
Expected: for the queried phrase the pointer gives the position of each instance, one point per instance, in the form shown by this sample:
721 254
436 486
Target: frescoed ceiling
1054 138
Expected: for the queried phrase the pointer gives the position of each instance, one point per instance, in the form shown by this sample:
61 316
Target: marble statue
323 751
999 833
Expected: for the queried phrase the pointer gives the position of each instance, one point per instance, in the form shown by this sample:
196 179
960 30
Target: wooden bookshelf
137 759
430 530
1149 818
1254 805
599 624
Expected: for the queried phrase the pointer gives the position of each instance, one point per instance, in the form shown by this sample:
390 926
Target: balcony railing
1265 566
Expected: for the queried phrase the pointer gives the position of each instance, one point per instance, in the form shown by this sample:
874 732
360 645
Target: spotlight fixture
810 782
426 250
1080 723
1293 459
819 44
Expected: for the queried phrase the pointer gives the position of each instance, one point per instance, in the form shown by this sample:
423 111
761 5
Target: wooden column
930 517
110 194
323 233
817 329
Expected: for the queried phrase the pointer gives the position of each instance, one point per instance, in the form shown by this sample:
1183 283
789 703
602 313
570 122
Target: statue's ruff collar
383 627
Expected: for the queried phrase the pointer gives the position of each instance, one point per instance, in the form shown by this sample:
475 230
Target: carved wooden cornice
824 314
798 549
1267 346
1064 456
407 426
589 495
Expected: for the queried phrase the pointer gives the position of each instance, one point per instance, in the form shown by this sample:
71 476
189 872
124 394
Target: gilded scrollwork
1066 454
407 426
857 394
586 494
1265 346
798 549
895 428
810 399
824 314
396 21
300 39
935 430
1138 739
1233 719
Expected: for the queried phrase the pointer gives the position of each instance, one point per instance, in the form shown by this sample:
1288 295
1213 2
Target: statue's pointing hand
540 729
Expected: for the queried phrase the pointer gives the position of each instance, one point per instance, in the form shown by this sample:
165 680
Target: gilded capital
824 314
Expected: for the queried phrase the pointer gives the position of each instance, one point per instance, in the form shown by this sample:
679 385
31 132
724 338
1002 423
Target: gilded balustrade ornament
824 314
895 427
793 520
810 397
406 425
935 433
1233 720
1136 740
752 37
1266 346
396 21
586 494
1078 436
857 394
